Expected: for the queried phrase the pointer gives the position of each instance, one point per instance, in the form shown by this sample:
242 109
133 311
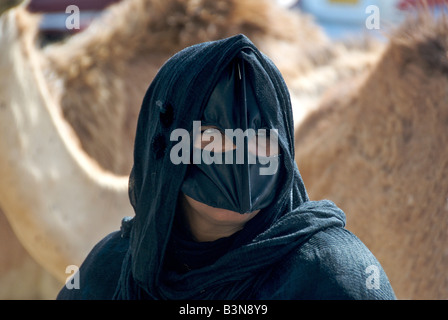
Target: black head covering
178 96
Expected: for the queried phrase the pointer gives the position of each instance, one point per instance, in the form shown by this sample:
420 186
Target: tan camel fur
53 195
377 147
104 72
21 277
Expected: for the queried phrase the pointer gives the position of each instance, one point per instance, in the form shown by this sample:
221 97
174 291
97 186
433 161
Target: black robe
293 249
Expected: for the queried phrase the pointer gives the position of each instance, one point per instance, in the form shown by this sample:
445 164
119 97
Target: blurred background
339 18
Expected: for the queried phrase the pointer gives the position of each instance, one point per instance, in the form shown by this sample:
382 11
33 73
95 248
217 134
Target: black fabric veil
175 99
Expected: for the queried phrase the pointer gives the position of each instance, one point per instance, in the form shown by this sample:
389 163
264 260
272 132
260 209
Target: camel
376 146
49 187
69 110
21 277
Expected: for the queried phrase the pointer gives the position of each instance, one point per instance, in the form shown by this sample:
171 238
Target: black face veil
243 177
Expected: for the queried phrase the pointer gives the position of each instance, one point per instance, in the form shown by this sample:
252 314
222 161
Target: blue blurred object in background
347 18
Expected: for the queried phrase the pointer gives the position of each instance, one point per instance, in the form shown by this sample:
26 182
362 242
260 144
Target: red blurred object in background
45 6
53 25
411 4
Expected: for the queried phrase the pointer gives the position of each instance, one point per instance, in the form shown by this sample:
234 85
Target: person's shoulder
331 264
98 274
337 245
